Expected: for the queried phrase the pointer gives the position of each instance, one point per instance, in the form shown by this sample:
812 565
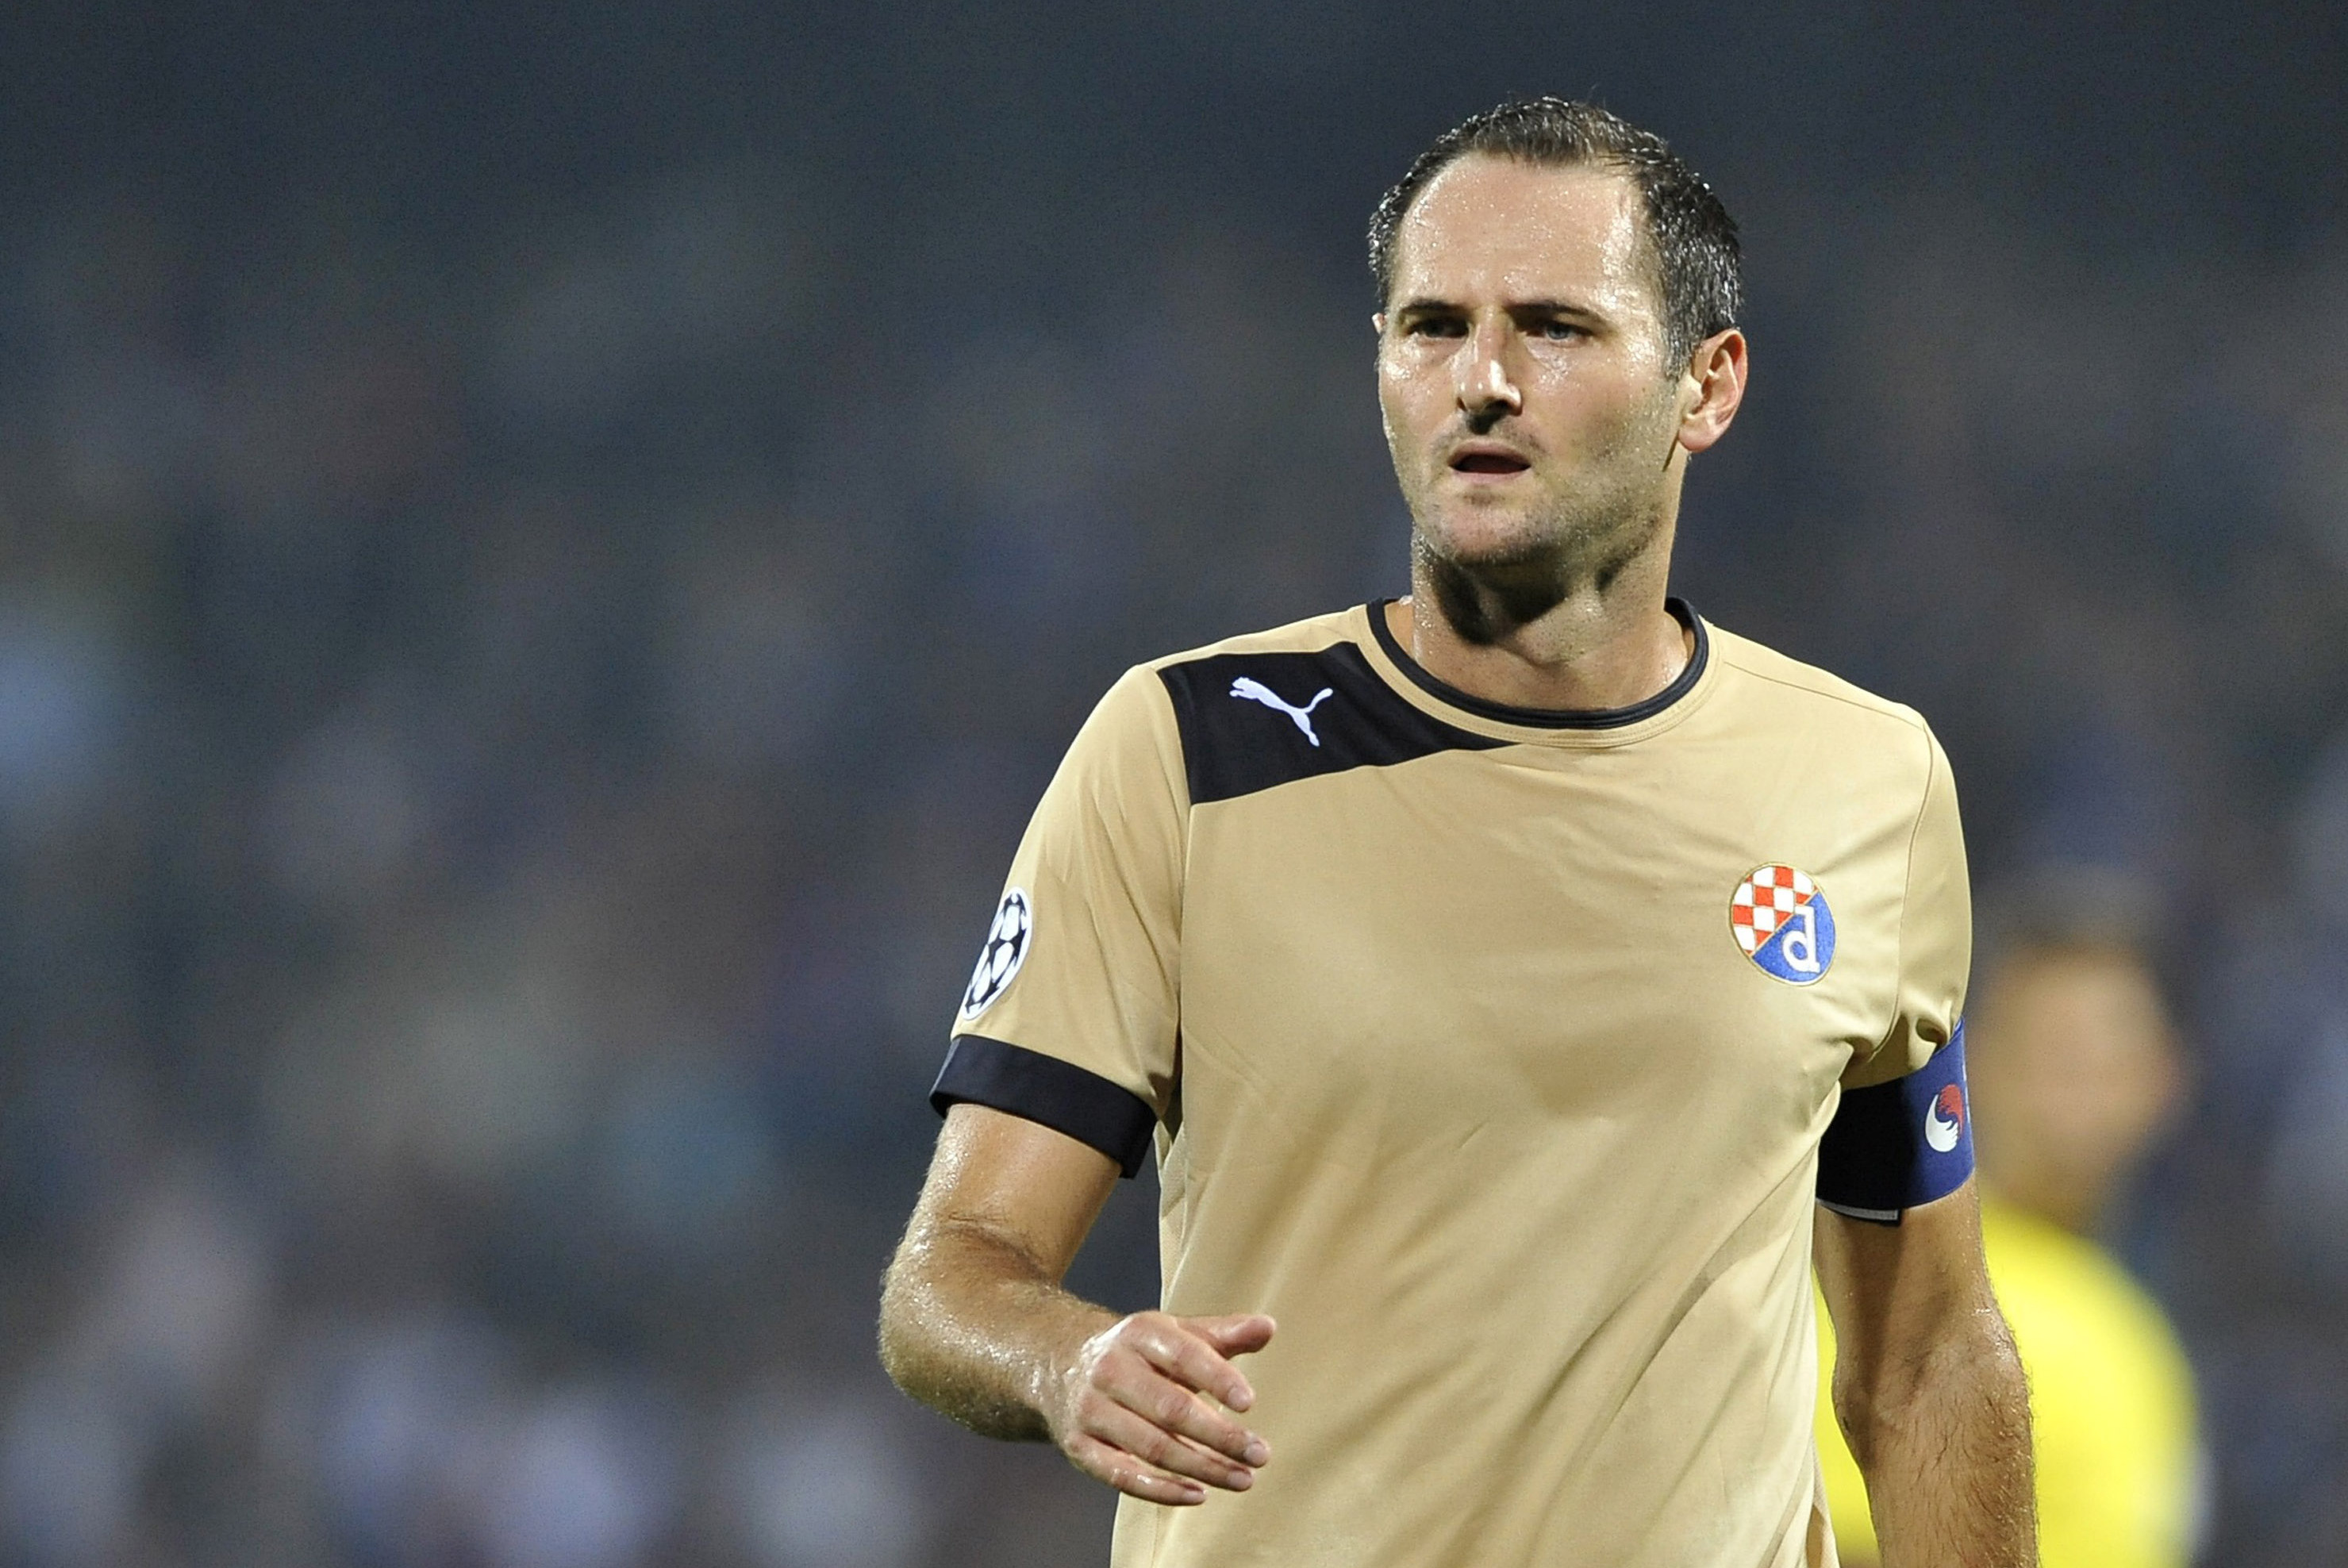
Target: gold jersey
1489 1050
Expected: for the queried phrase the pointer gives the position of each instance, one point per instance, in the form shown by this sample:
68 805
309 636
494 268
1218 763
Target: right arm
974 1322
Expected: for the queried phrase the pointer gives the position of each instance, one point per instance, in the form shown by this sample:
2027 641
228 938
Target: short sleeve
1902 1135
1070 1018
1936 936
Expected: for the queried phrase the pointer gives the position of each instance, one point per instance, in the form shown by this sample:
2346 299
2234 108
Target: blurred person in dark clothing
2074 1070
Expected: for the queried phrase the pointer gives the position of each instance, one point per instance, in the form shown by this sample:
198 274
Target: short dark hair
1699 266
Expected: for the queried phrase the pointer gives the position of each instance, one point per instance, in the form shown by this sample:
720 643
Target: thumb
1234 1334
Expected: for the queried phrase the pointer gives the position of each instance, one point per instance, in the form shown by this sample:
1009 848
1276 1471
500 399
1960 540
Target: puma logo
1256 691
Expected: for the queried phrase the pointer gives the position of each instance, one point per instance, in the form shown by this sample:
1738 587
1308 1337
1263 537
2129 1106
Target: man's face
2074 1072
1529 404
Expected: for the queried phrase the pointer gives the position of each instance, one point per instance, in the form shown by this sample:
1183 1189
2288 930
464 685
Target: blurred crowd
509 740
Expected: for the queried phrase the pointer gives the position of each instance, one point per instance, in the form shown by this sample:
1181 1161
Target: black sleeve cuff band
1050 1092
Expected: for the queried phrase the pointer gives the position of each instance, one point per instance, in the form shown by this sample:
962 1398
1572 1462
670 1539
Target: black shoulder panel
1250 721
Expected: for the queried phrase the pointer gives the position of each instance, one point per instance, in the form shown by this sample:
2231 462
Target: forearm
978 1331
1945 1448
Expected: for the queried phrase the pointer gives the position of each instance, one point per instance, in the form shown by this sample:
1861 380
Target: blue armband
1894 1146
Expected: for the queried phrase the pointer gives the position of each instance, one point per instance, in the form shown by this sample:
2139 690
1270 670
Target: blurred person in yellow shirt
2073 1068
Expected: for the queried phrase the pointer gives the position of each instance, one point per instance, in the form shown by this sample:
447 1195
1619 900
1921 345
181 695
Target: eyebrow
1423 305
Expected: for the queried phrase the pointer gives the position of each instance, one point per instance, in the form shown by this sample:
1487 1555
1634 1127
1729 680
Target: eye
1435 327
1561 331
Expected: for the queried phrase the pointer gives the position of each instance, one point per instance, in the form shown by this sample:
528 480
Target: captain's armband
1895 1146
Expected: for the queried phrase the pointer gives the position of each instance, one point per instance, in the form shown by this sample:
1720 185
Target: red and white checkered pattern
1763 901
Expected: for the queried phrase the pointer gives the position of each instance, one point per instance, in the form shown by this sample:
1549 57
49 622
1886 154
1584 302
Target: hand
1133 1408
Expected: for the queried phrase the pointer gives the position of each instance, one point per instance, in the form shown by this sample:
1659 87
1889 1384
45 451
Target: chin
1487 537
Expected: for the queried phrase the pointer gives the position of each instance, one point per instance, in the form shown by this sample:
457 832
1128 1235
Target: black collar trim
1550 718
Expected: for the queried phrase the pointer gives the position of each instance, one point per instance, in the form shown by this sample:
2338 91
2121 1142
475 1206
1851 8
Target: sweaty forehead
1494 228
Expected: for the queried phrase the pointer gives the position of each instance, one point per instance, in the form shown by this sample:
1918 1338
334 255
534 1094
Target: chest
1484 937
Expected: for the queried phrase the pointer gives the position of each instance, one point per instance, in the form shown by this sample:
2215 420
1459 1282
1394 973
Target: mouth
1493 460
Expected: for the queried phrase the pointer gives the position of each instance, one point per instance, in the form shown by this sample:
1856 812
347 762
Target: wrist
1070 1341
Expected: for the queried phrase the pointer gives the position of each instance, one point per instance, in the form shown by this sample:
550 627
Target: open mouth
1487 463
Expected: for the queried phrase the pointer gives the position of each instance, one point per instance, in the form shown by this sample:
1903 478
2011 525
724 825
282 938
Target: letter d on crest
1801 942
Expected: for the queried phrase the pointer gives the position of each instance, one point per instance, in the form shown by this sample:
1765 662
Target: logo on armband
1944 1118
1781 922
1006 950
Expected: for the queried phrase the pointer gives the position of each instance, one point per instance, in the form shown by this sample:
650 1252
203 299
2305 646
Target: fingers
1187 1351
1137 1435
1129 1475
1235 1335
1170 1408
1135 1418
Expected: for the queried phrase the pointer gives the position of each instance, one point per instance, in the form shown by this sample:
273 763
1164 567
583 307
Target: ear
1713 388
1378 324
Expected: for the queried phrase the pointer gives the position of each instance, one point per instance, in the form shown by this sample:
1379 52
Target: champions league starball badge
1781 922
1006 950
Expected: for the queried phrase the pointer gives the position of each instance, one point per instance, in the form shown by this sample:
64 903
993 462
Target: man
2075 1068
1488 967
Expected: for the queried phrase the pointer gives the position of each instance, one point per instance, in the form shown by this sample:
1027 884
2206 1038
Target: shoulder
1805 687
1155 706
1293 703
1313 634
1284 665
1803 697
1159 689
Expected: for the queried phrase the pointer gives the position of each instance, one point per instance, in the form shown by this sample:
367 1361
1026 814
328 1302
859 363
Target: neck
1598 646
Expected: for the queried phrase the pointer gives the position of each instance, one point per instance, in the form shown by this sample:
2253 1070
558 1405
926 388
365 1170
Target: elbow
942 1348
920 1335
1973 1362
899 1330
1855 1411
891 1343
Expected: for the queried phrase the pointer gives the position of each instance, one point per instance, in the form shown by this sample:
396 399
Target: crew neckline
1548 718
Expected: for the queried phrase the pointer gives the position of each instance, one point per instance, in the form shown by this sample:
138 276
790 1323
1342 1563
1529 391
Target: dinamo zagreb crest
1781 922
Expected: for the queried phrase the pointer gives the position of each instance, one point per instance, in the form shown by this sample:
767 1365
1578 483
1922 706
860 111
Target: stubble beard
1577 547
1573 544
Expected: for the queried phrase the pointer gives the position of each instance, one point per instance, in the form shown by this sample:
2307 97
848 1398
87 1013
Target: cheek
1404 400
1610 412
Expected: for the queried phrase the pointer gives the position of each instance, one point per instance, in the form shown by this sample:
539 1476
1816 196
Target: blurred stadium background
546 550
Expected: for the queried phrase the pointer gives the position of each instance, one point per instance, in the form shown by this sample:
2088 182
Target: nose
1486 390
